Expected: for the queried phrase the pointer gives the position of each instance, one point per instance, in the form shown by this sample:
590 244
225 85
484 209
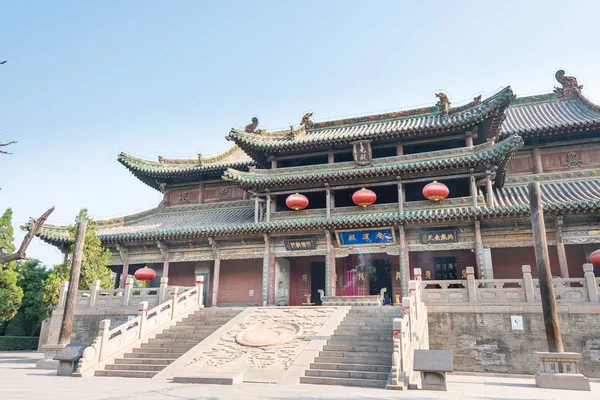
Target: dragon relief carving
569 84
443 103
251 128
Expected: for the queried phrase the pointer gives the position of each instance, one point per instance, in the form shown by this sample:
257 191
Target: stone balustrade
113 343
411 332
584 289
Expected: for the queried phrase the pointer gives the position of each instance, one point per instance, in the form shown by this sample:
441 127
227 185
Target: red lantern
296 202
145 274
436 191
364 197
595 257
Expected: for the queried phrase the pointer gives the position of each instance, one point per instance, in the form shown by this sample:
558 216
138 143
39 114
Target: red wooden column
480 258
404 263
329 265
268 286
215 283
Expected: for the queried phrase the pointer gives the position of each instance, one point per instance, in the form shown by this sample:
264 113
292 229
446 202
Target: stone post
94 289
143 314
404 261
528 284
175 303
215 284
329 265
127 291
590 282
62 297
471 286
162 290
200 289
479 251
103 333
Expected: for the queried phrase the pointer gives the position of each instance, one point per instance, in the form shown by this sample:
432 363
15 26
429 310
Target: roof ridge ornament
569 84
306 119
477 100
200 160
443 103
251 128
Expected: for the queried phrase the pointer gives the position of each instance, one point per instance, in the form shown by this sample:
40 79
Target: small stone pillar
94 289
590 282
471 287
103 329
528 284
143 314
127 291
163 289
200 289
175 294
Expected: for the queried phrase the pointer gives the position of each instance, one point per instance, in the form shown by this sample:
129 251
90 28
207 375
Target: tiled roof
550 114
416 122
454 159
581 195
151 171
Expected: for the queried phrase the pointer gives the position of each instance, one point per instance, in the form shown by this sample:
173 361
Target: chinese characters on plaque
361 152
440 236
366 237
299 244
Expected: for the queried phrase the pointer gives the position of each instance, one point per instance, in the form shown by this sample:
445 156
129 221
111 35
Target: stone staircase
152 357
360 351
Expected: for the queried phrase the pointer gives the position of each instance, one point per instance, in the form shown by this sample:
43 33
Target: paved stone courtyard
20 380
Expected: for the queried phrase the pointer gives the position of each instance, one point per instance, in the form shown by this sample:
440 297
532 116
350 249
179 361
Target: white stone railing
115 298
113 343
411 332
584 289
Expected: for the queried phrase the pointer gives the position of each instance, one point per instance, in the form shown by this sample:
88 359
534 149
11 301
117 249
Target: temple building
353 206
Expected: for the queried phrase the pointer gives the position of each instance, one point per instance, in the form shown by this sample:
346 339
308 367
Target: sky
86 80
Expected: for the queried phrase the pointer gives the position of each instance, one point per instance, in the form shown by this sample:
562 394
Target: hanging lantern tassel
436 191
296 201
364 197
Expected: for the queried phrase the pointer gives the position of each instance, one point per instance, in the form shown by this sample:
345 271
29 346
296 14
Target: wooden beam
542 259
66 327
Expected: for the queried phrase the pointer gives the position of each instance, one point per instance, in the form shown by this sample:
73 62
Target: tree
94 264
32 274
7 237
10 294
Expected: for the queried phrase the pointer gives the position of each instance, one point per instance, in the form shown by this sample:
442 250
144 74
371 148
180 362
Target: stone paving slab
20 380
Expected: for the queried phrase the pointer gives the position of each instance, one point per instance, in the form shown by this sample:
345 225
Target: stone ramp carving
150 358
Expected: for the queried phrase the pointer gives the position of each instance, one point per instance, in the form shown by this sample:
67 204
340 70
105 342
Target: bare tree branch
6 144
35 227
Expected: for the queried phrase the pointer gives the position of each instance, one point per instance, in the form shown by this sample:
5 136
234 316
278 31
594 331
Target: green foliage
10 294
13 343
32 274
7 237
93 267
16 326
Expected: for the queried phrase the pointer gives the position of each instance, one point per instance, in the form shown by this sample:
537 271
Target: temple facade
228 217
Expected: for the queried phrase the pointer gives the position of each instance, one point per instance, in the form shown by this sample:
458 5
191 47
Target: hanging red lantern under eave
145 274
296 201
364 197
595 257
436 191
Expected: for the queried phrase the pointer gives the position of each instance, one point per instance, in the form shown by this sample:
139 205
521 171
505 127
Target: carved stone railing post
200 287
396 355
163 290
143 313
175 294
62 297
590 282
528 284
471 286
94 289
417 274
103 330
127 291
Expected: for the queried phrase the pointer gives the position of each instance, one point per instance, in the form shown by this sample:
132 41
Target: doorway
317 281
380 276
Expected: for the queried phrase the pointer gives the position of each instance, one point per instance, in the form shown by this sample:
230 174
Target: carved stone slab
269 334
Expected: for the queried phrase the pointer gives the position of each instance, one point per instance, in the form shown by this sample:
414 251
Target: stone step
195 327
386 349
179 336
361 343
162 350
170 344
317 380
126 374
357 323
143 354
134 367
363 355
353 360
376 336
380 376
366 329
145 361
362 337
351 367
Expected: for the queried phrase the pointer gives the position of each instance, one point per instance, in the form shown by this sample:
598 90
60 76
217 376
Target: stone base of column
560 371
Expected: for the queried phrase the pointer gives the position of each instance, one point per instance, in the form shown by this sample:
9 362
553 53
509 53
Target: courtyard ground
20 380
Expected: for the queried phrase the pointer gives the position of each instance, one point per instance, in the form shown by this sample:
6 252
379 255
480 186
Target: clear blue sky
86 80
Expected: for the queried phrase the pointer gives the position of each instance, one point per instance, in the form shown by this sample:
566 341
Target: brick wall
485 342
237 278
182 273
85 327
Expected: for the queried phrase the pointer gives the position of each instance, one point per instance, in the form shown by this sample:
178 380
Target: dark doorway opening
380 277
445 268
317 281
